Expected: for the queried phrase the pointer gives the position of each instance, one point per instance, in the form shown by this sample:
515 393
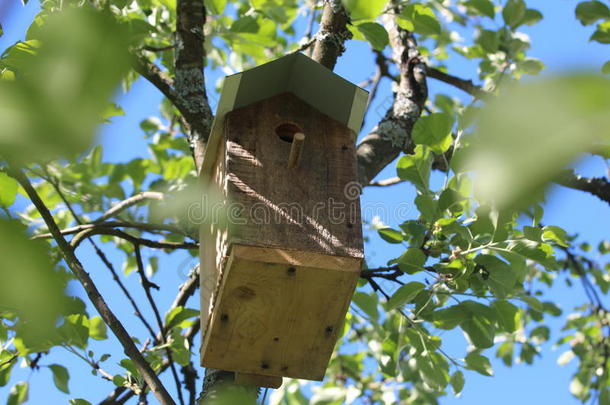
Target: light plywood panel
278 318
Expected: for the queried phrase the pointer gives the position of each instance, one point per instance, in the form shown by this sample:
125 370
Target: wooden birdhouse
278 273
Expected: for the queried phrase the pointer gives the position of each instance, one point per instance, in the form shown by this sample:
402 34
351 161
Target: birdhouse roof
295 73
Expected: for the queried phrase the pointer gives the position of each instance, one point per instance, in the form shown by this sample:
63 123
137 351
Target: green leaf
416 168
7 359
177 315
513 162
367 303
433 369
86 54
450 317
8 190
112 110
35 279
457 382
97 328
428 207
364 10
120 3
602 34
531 17
75 330
423 19
18 394
434 130
405 23
79 401
412 261
405 294
502 280
245 24
505 352
531 66
480 331
555 234
489 40
60 377
375 33
606 68
540 334
588 12
215 6
390 235
479 363
483 7
508 315
533 302
20 55
514 12
118 380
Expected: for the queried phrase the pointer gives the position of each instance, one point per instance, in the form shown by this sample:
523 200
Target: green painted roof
295 73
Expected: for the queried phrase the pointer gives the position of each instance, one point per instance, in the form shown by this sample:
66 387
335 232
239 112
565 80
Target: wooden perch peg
296 149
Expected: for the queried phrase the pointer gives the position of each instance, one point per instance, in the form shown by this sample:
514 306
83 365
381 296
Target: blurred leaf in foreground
63 87
531 132
29 286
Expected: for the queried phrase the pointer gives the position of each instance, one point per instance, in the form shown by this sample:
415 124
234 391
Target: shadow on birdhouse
278 276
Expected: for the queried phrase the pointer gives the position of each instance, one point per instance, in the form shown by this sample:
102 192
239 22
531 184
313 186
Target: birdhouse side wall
311 207
214 235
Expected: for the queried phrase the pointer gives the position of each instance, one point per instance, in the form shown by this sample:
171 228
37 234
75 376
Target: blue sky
562 44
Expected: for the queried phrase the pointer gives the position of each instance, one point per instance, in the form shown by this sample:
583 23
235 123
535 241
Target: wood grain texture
304 208
278 319
258 380
214 234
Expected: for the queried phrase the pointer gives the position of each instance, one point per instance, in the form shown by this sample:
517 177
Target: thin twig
466 85
133 239
8 361
597 186
94 365
158 49
133 200
147 285
142 226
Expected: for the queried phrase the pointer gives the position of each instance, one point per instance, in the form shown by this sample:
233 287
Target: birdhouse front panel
313 206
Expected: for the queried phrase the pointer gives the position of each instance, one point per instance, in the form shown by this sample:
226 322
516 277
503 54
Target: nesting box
278 274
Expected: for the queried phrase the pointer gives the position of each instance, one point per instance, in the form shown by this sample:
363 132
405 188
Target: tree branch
185 291
393 133
387 273
597 186
190 80
466 85
149 376
123 235
142 226
133 200
333 32
156 77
